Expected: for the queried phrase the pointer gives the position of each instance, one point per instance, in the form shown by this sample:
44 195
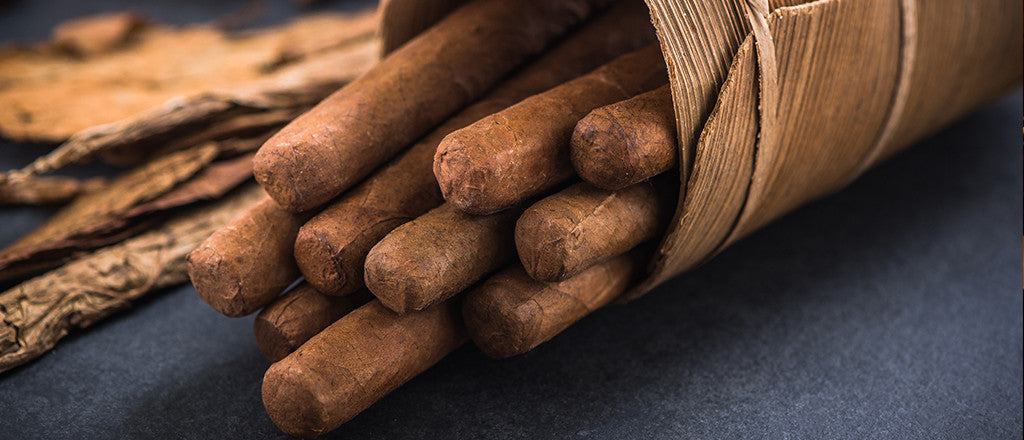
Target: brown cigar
331 248
511 313
627 142
507 157
353 131
298 315
567 232
437 255
246 264
354 362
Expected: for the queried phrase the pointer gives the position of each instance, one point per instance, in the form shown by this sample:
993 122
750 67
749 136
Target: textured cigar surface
626 142
349 134
438 255
298 315
247 263
331 248
505 158
354 362
582 225
511 313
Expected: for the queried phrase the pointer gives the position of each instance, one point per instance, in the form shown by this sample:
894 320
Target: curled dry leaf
46 190
37 313
126 205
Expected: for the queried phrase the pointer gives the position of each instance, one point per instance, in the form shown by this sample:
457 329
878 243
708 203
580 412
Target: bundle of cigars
514 166
504 170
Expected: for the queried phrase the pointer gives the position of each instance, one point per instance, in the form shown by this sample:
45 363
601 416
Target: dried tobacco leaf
260 104
91 36
98 84
126 206
37 313
137 186
46 190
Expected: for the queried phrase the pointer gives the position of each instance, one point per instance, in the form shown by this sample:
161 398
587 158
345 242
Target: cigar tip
216 287
291 399
394 282
542 245
272 342
282 167
393 295
597 150
274 178
492 325
315 257
463 182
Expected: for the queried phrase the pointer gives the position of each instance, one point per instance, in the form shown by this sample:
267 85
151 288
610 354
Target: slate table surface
892 309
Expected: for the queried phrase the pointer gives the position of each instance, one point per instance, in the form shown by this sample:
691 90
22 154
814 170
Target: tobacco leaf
104 70
46 190
37 313
263 103
128 205
91 36
140 185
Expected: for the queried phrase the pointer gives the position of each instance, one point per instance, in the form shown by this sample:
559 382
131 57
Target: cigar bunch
495 188
510 170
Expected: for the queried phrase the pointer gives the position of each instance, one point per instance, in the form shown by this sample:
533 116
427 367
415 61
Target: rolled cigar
342 139
511 313
626 142
246 264
289 321
331 248
437 255
565 233
505 158
357 360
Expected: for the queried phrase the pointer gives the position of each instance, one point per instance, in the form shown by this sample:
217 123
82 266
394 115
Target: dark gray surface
889 310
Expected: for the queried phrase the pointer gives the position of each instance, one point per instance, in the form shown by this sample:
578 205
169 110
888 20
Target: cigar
507 157
626 142
331 248
438 255
246 264
298 315
341 140
357 360
565 233
511 313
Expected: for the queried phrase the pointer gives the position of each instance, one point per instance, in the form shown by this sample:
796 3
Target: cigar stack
495 188
510 169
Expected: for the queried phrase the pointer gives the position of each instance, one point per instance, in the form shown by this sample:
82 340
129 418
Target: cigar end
216 286
272 342
294 173
273 177
393 284
463 182
541 251
491 319
316 260
292 400
598 148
